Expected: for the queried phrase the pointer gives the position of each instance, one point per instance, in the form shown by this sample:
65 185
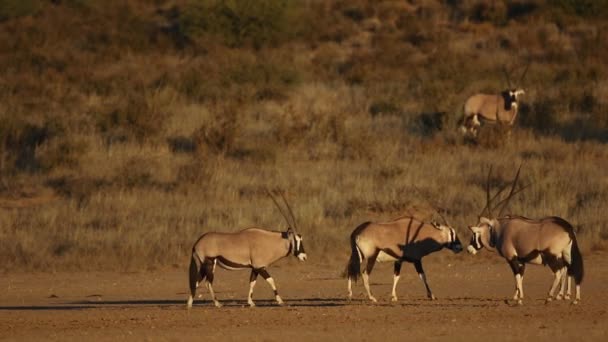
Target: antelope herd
547 241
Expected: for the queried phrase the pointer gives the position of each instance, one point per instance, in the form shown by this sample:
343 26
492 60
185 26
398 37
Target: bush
540 115
20 140
133 117
242 22
10 9
582 8
218 135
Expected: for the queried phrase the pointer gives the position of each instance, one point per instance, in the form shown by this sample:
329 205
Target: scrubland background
128 128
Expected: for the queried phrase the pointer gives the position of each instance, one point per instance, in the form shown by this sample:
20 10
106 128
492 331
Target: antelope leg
368 270
562 289
252 279
262 271
209 267
418 265
518 270
396 273
556 280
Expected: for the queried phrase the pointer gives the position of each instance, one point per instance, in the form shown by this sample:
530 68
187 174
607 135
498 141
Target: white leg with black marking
274 288
262 271
350 289
249 299
252 280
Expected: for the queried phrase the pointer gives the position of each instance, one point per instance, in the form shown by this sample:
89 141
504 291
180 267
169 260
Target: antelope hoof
567 297
200 295
394 299
559 296
280 301
373 299
576 301
520 302
251 304
432 297
548 300
218 304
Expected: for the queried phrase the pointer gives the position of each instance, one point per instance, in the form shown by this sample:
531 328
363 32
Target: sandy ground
140 306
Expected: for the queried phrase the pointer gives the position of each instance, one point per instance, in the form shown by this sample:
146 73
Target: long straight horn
278 206
293 219
504 206
522 188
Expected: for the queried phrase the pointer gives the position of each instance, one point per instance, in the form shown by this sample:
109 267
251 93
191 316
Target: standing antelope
501 108
252 248
403 239
547 241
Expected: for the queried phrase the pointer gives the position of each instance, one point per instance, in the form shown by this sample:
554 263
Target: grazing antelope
252 248
547 241
404 239
491 108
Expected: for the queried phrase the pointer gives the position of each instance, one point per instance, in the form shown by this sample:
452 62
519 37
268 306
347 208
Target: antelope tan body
533 240
404 239
548 241
252 248
490 108
249 248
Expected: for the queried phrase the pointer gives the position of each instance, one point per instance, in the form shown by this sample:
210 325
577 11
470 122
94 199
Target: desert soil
151 306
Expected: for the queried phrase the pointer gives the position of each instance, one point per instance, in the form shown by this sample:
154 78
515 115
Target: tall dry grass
125 139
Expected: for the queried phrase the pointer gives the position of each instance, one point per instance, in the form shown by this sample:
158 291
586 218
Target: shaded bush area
241 23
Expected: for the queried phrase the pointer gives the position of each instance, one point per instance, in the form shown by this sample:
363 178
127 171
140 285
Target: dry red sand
152 305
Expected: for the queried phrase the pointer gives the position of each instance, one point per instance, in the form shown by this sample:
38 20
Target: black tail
576 268
195 275
353 268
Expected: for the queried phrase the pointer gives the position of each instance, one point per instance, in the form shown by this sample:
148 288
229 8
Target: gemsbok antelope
252 248
404 239
491 108
547 241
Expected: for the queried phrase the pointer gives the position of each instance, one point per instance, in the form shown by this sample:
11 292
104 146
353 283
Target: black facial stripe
296 250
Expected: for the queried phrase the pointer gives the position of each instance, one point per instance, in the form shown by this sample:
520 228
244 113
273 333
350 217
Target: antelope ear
436 225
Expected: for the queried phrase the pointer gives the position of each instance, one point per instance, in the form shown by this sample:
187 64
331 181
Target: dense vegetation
128 128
